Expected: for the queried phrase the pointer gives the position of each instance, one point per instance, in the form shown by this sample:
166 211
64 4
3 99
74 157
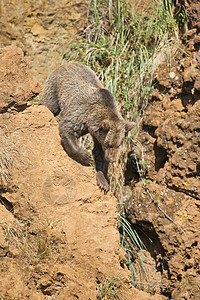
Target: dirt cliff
170 139
58 232
58 235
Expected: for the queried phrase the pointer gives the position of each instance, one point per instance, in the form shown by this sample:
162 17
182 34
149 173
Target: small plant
134 251
43 244
109 289
34 100
7 153
16 234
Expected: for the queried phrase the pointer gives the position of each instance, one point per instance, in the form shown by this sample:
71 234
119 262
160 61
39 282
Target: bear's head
111 134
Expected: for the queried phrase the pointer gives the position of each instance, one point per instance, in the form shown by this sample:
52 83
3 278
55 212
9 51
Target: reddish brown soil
170 141
58 233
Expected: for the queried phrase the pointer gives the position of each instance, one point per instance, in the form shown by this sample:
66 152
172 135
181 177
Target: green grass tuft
109 289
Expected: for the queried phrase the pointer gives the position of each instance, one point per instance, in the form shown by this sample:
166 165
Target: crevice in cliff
13 106
6 108
8 205
161 88
131 171
149 129
149 237
156 262
160 156
179 190
189 95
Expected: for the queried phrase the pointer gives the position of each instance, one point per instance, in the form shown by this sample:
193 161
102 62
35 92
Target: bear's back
77 82
78 89
78 76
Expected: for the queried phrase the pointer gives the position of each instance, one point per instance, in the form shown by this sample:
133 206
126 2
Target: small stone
172 75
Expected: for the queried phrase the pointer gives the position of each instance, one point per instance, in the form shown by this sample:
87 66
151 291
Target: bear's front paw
102 182
84 157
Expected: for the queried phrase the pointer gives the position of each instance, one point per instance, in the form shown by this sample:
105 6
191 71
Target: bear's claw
102 182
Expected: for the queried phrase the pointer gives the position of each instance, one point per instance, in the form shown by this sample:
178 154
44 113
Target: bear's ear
105 125
129 126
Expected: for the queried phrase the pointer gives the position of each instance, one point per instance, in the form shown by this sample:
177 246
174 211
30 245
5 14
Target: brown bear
86 107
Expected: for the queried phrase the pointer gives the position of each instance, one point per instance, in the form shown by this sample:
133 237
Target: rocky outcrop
16 86
170 138
42 29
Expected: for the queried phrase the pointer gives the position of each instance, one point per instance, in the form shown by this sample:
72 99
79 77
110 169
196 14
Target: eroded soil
58 233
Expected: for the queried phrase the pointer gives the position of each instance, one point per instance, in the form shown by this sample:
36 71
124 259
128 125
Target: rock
16 85
38 30
172 75
197 83
43 29
190 74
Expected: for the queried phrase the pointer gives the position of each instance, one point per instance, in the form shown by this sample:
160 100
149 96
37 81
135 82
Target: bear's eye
101 130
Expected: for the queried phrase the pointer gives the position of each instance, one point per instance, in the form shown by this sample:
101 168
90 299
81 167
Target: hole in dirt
160 157
197 46
98 281
179 277
44 289
189 96
150 130
194 244
187 268
149 237
198 169
131 171
162 89
7 204
167 295
122 264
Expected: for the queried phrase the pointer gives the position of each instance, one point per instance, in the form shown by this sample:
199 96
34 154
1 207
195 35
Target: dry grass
6 157
29 247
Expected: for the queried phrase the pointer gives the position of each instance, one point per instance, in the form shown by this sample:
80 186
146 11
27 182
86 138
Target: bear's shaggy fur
86 107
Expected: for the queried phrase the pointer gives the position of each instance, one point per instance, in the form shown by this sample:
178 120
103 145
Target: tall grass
119 43
7 153
135 255
109 289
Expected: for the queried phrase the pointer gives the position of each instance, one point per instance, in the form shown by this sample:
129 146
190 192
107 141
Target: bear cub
86 107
